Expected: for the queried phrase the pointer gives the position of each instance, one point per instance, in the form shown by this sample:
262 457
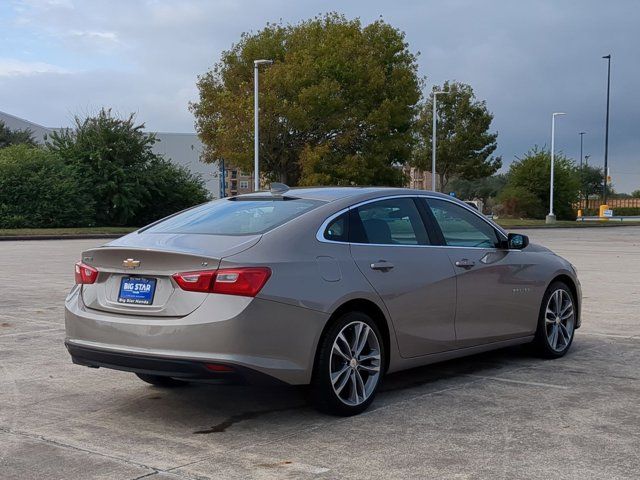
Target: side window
337 229
388 222
462 228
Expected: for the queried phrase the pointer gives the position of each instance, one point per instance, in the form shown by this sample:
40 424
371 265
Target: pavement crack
33 436
240 417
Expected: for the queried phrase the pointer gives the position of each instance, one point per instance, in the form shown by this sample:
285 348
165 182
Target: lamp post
551 218
581 171
256 140
586 184
433 142
606 134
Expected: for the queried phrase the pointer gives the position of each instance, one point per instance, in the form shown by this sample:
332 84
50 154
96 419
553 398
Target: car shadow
237 404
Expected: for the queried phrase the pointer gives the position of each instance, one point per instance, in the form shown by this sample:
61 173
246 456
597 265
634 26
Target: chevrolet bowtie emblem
130 263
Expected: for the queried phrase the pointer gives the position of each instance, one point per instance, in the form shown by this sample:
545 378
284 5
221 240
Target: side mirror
517 241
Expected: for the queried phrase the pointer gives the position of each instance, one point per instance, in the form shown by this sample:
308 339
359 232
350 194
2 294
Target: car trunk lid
152 259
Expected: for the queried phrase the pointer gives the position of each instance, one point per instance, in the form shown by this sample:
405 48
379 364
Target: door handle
382 265
465 263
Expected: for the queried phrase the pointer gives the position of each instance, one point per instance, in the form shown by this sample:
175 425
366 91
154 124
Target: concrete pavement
503 414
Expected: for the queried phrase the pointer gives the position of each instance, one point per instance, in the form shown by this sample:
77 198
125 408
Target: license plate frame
136 290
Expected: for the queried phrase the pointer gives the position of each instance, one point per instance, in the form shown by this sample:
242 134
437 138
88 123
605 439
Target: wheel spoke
360 384
354 387
553 340
364 336
339 350
557 301
568 312
375 355
357 332
345 378
369 368
566 336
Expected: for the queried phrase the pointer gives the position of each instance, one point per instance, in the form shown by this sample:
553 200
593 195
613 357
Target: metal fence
612 202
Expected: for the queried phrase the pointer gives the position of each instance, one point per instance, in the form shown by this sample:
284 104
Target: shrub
518 202
528 185
168 188
37 190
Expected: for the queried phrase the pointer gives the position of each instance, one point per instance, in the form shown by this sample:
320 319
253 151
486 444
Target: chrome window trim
325 224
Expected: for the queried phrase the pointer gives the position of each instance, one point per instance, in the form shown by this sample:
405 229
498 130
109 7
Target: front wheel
556 323
349 366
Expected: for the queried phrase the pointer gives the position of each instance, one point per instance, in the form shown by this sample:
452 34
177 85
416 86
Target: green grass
64 231
527 222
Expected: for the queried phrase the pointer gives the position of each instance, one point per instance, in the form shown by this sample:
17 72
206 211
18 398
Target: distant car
472 204
332 287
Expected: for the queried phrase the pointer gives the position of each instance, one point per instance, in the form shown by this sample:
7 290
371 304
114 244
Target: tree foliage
482 188
336 107
38 190
527 191
15 137
635 194
130 184
464 143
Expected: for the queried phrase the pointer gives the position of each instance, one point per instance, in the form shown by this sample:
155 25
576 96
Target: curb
581 225
89 236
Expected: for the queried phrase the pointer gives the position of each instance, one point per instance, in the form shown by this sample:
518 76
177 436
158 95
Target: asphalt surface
500 415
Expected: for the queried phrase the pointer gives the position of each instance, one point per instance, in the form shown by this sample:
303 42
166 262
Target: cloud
526 59
11 68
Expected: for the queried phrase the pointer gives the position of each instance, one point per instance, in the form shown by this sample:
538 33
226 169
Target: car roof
330 194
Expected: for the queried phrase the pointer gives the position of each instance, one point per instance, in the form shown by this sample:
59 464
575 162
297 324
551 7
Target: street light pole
551 218
581 171
256 139
606 134
586 184
433 142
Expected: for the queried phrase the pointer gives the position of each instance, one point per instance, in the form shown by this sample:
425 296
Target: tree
38 190
463 141
128 180
527 190
482 188
336 107
15 137
635 194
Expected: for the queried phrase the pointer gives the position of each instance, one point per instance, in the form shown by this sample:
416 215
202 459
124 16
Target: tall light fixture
256 121
606 134
433 142
551 218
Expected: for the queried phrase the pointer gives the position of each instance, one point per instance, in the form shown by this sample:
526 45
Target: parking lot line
521 382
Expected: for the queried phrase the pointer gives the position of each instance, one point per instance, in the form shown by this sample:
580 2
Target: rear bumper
169 367
269 338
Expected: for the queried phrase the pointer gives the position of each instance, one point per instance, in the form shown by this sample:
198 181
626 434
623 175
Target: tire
161 381
352 351
561 319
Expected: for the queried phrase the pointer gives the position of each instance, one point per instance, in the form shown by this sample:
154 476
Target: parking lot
503 414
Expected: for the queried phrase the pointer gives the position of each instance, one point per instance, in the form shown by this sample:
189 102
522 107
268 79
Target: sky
527 59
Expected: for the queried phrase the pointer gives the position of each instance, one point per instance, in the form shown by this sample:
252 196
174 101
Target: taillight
85 274
246 281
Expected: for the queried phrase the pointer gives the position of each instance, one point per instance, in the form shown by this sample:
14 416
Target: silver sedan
332 287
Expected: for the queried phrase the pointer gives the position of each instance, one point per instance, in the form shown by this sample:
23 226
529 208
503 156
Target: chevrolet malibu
332 287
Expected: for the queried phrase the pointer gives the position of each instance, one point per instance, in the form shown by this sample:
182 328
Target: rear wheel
349 366
556 323
161 381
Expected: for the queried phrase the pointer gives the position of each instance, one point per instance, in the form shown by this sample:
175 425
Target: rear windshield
235 217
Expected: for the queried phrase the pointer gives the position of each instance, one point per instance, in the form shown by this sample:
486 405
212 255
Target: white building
181 148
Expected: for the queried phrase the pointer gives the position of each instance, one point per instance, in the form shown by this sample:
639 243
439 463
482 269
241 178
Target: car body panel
431 311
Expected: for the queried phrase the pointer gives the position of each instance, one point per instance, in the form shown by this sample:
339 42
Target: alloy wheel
559 320
355 363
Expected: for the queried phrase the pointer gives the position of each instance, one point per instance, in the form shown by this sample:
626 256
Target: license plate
137 290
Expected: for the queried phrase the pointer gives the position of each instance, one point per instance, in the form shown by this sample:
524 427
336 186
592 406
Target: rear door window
395 221
235 217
